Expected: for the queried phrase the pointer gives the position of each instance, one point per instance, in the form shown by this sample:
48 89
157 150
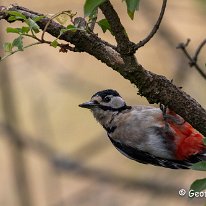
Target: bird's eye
107 99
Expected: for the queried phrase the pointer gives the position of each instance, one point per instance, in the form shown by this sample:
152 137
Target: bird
147 134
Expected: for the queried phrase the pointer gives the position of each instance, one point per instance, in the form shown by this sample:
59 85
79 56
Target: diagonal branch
82 41
198 50
123 43
193 60
155 28
155 88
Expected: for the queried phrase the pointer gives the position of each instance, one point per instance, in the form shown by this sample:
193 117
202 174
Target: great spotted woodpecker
145 134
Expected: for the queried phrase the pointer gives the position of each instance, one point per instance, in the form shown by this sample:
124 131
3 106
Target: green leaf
63 31
132 6
12 18
201 166
17 15
38 18
12 30
93 14
18 43
54 43
33 25
204 141
7 47
25 29
198 185
69 28
104 24
22 30
91 5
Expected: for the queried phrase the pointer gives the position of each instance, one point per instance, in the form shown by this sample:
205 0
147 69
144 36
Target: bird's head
105 103
106 100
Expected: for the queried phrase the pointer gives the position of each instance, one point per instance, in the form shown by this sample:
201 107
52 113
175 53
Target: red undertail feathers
188 140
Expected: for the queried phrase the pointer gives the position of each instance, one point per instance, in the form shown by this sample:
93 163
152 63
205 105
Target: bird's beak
88 105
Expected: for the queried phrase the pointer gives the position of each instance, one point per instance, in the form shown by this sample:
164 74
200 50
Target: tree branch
155 28
193 60
155 88
83 42
124 45
198 50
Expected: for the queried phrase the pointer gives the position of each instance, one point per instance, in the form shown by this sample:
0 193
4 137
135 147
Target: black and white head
105 103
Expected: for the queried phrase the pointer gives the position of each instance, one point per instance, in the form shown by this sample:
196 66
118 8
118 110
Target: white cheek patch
117 102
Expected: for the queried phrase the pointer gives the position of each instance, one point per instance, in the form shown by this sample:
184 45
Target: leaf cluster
91 6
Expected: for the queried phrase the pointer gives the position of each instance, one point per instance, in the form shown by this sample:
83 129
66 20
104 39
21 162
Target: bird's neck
104 117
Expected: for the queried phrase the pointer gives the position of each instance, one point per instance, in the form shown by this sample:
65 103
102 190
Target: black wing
146 158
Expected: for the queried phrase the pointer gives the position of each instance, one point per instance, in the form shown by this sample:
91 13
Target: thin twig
193 60
124 45
199 48
92 23
155 28
46 26
13 52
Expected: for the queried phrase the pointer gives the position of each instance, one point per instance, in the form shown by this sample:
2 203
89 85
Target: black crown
107 92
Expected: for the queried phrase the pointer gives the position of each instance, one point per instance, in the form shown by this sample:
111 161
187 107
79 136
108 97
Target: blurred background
53 153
